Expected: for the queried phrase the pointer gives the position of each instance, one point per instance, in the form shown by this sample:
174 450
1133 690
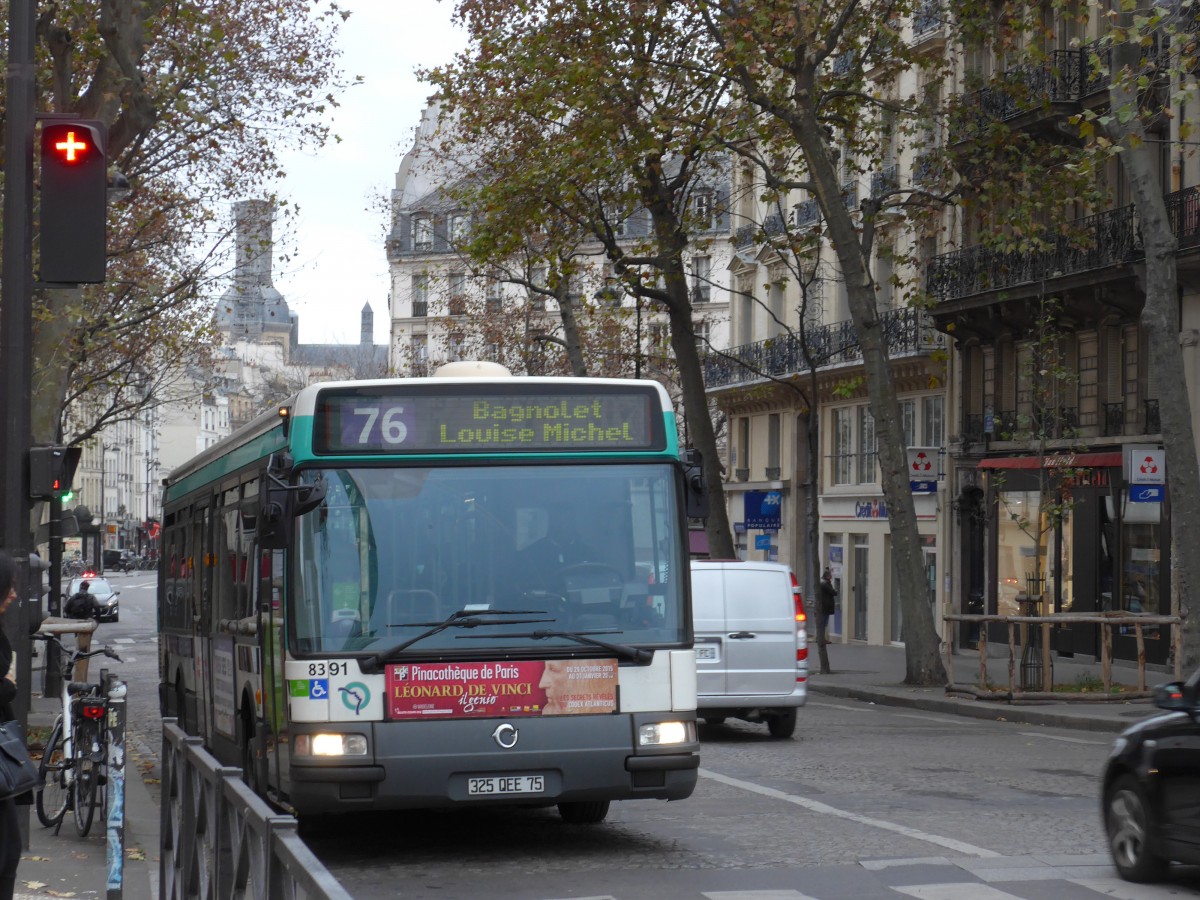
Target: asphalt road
866 802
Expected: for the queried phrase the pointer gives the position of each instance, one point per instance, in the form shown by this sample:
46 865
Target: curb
1028 715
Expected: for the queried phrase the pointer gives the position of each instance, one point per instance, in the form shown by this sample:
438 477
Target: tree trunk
1160 318
923 661
574 347
700 427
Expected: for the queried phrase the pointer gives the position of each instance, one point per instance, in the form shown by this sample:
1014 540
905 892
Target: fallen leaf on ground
34 885
135 853
37 858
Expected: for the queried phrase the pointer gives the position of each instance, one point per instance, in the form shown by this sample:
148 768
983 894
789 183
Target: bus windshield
392 552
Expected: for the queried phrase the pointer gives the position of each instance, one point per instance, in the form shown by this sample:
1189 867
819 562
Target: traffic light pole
16 335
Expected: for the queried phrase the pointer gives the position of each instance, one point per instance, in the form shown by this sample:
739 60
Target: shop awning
1055 461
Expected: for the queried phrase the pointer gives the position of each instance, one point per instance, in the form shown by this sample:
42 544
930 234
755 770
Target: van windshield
391 552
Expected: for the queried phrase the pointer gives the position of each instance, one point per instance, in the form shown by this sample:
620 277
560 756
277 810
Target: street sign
1146 465
922 469
762 542
1146 493
763 510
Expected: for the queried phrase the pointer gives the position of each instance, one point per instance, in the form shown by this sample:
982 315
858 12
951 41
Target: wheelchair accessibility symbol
318 689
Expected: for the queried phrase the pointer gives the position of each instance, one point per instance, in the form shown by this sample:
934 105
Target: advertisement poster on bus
557 687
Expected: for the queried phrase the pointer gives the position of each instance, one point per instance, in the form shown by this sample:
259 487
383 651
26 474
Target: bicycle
73 766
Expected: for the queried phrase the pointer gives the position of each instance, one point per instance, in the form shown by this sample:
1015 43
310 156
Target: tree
589 112
780 58
1154 53
197 98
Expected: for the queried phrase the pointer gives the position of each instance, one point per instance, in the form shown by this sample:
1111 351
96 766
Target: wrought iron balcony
773 225
972 427
741 474
1093 242
773 473
420 309
850 194
806 213
886 180
744 236
927 18
906 331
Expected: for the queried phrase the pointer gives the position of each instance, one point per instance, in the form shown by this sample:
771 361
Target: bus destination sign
355 421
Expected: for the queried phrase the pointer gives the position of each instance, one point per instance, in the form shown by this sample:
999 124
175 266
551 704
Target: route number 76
392 427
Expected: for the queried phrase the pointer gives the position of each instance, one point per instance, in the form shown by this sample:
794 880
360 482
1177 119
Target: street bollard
116 789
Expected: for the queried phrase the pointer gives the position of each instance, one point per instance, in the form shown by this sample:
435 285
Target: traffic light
74 202
51 470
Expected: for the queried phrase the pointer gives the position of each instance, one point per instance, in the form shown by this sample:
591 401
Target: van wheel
782 724
583 812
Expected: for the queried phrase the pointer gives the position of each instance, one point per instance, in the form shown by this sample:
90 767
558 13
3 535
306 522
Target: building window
741 461
420 296
908 422
700 330
866 446
422 233
934 433
495 295
702 209
843 445
701 278
458 227
773 445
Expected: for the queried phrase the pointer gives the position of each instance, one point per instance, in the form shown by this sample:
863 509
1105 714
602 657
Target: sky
337 261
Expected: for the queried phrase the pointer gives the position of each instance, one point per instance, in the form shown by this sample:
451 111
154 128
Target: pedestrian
82 604
827 607
10 826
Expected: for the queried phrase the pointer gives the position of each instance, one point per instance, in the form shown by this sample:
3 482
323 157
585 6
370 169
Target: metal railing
1021 636
906 331
1103 239
220 840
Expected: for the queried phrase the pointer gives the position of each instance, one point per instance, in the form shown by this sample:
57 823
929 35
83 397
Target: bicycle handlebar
74 654
81 687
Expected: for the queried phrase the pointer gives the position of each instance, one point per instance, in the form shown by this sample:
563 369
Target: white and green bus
439 592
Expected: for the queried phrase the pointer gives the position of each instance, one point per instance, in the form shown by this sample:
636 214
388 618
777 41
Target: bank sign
1146 472
763 510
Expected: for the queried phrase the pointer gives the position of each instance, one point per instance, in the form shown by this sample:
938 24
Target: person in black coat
10 827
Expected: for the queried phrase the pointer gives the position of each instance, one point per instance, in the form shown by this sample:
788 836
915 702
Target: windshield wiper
638 655
463 618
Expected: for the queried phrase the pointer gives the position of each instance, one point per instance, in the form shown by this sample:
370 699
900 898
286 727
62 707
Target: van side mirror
696 499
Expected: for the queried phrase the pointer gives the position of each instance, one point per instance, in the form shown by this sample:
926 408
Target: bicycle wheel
51 799
87 773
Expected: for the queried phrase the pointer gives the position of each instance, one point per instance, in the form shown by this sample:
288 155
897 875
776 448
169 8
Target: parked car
118 560
751 643
1151 787
102 590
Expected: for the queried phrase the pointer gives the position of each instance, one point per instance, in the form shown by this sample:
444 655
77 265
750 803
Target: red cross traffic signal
74 202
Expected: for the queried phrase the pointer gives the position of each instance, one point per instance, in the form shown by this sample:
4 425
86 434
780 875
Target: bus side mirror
282 505
697 505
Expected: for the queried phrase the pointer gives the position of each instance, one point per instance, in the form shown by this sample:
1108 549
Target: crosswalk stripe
824 808
970 890
757 895
1118 889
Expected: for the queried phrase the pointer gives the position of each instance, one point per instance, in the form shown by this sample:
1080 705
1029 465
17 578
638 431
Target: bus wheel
583 812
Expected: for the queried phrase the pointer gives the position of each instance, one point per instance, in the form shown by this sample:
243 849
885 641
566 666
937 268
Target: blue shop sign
763 510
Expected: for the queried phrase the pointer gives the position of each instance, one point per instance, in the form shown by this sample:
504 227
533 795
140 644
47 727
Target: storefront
855 536
1067 533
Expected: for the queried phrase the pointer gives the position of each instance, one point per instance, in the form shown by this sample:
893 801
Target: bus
439 592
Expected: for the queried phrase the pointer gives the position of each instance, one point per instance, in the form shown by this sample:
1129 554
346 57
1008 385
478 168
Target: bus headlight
657 734
331 744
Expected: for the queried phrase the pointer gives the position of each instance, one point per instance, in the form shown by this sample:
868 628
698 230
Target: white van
751 643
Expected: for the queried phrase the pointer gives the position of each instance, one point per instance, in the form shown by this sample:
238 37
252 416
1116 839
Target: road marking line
1059 737
876 865
756 895
966 891
817 807
840 706
940 719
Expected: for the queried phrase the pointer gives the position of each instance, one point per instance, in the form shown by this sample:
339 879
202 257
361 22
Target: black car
1151 787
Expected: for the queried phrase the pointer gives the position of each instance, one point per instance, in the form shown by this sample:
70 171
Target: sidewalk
71 866
874 674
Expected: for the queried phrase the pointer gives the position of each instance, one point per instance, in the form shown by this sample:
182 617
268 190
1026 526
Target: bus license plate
507 784
708 652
